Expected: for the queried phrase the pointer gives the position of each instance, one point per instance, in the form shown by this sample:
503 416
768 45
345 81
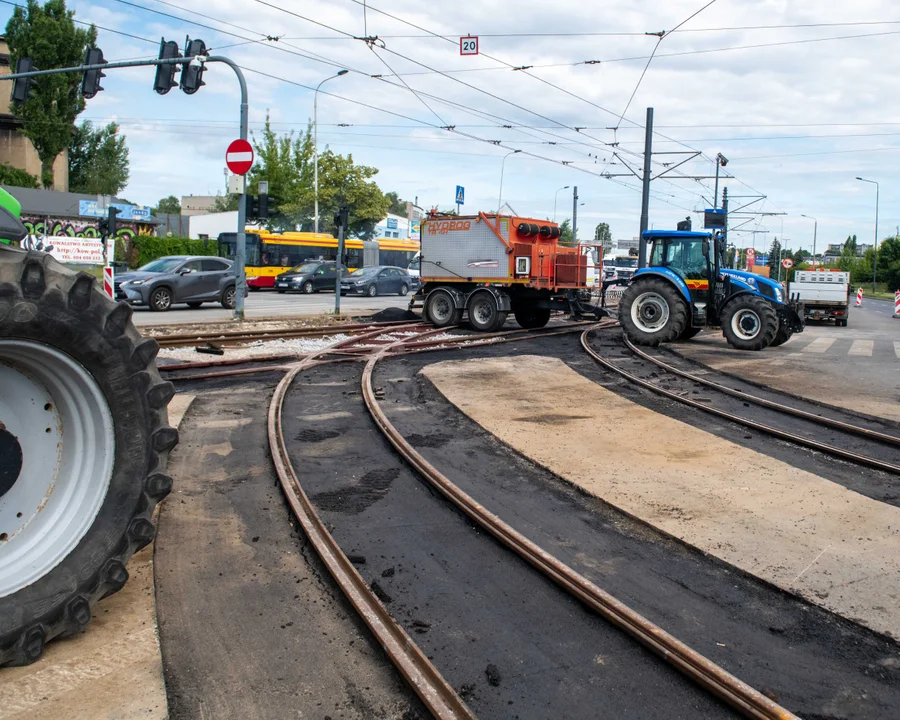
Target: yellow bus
270 254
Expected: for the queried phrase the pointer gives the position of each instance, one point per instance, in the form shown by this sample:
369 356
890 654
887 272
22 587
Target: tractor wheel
484 313
749 322
440 310
652 311
529 317
688 333
84 440
782 336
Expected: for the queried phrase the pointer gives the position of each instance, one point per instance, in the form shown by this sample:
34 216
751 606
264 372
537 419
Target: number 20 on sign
468 45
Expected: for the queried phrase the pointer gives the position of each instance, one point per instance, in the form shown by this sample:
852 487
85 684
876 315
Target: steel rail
700 669
435 692
786 409
761 427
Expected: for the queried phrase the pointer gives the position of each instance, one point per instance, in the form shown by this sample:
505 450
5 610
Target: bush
17 178
145 248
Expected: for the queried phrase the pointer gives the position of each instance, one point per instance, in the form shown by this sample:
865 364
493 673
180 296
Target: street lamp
721 161
502 166
316 148
815 231
875 258
555 197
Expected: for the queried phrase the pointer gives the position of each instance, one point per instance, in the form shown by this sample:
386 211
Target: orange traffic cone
859 297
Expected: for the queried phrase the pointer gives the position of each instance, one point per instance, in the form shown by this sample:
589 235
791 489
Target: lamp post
875 257
721 161
815 232
502 166
555 198
316 146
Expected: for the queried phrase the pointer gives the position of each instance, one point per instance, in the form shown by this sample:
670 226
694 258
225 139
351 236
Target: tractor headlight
779 295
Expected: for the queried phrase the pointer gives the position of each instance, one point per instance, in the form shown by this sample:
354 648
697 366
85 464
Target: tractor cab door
685 257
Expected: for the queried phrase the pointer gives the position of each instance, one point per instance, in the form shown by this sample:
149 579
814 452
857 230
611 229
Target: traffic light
341 218
191 73
107 225
165 74
257 208
90 85
23 87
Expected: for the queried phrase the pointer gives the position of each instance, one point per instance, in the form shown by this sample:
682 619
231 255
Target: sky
800 97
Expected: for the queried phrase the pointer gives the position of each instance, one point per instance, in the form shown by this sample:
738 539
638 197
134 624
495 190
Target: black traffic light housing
165 74
258 208
23 87
107 225
90 84
192 74
342 218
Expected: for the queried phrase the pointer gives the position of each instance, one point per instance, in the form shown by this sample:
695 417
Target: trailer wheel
749 322
530 317
83 448
440 309
484 313
652 312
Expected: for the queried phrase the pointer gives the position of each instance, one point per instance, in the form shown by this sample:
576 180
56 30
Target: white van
414 270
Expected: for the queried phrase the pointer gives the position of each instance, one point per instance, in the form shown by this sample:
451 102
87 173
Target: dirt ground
800 532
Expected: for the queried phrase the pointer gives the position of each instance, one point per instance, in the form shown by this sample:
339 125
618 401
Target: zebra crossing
858 347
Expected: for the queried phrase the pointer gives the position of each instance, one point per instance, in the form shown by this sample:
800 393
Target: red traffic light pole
241 255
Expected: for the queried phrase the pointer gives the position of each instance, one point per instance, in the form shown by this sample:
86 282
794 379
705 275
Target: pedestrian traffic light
165 74
90 84
23 88
192 72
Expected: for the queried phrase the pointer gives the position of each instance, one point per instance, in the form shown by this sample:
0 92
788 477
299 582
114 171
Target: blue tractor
686 287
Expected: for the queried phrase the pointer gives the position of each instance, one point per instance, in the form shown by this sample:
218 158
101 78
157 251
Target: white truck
825 294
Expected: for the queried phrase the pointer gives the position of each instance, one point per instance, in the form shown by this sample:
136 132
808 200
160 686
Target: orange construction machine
490 265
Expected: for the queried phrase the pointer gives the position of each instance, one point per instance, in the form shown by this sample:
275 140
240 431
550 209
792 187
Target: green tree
565 234
168 206
98 160
603 236
889 262
774 258
48 36
225 203
398 206
849 246
17 178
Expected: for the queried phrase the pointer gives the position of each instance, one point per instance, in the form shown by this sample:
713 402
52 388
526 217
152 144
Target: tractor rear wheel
749 322
84 440
652 311
531 317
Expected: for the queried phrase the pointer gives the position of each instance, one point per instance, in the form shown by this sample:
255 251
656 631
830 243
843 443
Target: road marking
862 347
819 345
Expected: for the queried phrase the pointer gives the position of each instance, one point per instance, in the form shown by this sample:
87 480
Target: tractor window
681 255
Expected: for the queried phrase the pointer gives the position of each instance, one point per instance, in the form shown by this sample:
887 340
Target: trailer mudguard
669 275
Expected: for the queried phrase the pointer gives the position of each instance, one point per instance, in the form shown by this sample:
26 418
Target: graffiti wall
74 242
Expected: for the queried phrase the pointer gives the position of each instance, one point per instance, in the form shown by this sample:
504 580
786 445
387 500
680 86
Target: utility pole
645 195
575 215
725 228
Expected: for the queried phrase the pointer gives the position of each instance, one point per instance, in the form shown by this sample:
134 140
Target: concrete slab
113 670
805 534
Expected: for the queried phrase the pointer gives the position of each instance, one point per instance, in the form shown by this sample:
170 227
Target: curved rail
423 677
761 427
786 409
706 673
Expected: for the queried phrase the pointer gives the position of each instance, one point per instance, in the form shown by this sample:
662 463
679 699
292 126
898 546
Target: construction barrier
897 305
859 297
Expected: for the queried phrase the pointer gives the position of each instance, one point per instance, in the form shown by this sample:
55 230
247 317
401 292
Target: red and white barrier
897 305
108 287
859 297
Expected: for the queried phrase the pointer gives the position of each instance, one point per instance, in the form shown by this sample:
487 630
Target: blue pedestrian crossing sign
460 195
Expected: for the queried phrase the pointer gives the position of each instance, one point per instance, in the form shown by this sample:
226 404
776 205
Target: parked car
377 280
309 277
175 279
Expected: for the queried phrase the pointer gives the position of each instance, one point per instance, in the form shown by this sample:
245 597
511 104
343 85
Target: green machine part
11 227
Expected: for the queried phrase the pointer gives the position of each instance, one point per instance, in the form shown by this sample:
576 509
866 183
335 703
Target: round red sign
787 263
239 157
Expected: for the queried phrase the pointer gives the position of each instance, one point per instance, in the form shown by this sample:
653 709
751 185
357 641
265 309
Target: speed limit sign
787 263
468 45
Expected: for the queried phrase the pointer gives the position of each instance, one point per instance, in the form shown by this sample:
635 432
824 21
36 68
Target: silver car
175 279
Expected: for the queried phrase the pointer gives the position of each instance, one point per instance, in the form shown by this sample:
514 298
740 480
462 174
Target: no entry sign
239 157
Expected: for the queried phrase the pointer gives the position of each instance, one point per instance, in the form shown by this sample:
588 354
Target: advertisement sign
89 208
392 223
70 250
415 228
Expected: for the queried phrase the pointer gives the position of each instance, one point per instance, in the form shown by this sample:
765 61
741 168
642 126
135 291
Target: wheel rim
308 288
163 299
482 311
746 324
63 429
650 312
404 289
229 296
372 291
441 308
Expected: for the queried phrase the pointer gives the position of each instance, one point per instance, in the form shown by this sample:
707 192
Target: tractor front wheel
749 322
652 311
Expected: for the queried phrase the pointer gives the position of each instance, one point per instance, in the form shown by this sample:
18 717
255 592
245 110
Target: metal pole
575 216
316 147
645 195
815 232
502 167
556 197
875 256
339 262
716 193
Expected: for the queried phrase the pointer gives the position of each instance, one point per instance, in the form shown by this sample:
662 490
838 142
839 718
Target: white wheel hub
56 433
650 312
746 324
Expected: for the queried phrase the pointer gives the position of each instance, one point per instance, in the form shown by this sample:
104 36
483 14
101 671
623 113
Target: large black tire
484 313
749 322
440 310
782 336
530 317
53 309
652 311
229 297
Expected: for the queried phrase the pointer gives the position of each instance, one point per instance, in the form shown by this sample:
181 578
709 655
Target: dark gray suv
178 279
